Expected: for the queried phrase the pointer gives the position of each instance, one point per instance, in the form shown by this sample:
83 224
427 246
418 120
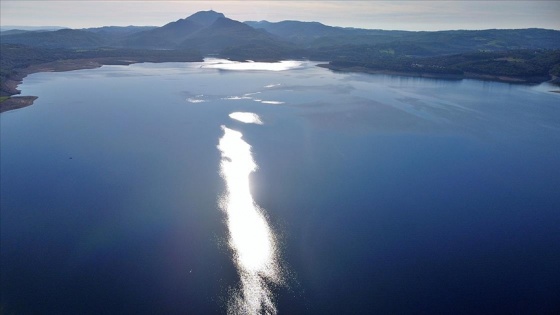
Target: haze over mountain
296 31
4 28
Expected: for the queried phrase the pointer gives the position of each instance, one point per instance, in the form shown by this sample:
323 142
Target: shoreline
16 101
466 75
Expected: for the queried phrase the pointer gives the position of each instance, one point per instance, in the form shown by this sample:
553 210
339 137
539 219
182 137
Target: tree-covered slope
65 38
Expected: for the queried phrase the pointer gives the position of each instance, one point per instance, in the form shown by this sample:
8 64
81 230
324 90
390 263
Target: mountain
174 33
314 33
225 33
211 32
296 31
205 18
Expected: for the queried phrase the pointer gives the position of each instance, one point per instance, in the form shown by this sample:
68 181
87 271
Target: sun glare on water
224 64
250 237
248 118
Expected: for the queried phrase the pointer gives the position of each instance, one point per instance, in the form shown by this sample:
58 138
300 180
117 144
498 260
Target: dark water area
386 194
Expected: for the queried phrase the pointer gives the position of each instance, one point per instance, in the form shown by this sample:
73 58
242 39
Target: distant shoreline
476 76
15 101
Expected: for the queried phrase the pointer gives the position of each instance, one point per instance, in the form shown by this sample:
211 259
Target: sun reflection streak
251 239
224 64
248 118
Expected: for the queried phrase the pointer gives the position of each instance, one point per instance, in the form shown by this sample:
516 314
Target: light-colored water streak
224 64
250 237
248 118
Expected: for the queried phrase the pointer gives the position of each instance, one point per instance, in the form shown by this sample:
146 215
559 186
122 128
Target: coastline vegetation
527 66
17 61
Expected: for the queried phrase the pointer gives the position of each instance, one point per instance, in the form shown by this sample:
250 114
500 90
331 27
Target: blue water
387 194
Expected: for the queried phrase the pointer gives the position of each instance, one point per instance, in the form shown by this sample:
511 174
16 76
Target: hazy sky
402 15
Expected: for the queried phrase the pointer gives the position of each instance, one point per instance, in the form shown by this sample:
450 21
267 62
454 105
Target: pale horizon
387 15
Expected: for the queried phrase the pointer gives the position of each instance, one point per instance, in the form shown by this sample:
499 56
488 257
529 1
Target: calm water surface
193 188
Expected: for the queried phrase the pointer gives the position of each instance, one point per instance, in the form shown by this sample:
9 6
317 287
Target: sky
391 15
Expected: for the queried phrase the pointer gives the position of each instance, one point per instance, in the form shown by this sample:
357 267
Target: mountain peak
205 18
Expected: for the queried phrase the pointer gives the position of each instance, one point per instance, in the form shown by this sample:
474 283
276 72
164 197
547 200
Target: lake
203 188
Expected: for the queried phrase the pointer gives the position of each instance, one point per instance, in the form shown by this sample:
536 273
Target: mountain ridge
304 35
